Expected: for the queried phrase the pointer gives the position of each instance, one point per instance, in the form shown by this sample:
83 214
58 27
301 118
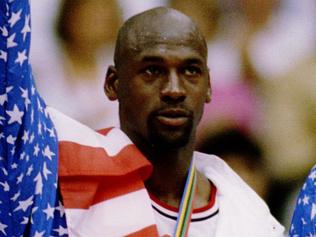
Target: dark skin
161 81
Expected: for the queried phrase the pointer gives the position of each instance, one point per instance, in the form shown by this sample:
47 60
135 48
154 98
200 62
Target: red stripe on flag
81 160
83 192
88 175
146 232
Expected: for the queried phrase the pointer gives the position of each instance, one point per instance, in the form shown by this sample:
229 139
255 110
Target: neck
170 171
169 176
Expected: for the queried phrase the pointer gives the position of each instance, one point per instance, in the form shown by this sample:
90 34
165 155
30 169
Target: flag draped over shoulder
29 202
101 176
304 218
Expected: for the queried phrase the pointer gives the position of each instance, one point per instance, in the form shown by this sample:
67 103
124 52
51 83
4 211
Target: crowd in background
262 60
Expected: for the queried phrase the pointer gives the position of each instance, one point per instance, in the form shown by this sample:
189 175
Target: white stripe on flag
119 216
71 130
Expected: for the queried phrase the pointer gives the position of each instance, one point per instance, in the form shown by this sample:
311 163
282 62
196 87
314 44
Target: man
161 80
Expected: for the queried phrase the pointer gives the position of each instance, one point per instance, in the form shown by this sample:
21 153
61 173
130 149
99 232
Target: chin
169 139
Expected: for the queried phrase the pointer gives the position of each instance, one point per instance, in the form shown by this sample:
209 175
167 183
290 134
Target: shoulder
238 203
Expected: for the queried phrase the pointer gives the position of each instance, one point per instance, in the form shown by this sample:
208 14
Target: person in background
241 152
83 43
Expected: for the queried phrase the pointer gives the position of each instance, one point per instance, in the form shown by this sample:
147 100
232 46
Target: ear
111 83
209 90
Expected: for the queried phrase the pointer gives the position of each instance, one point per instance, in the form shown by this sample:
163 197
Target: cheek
134 106
197 103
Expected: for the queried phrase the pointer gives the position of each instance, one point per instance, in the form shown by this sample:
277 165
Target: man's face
161 90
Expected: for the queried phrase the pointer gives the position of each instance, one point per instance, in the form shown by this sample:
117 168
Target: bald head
157 26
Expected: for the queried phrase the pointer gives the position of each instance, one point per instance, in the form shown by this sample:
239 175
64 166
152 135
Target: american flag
29 200
304 218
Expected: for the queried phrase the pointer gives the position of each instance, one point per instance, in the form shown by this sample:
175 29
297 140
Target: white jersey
241 211
203 221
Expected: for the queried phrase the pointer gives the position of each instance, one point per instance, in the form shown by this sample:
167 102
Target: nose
173 90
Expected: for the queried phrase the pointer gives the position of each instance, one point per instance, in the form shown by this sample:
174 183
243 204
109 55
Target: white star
33 89
2 228
60 208
3 55
313 211
3 98
15 115
48 153
29 170
1 119
312 175
36 150
25 137
11 139
8 89
10 41
13 150
26 27
61 231
25 95
25 220
16 16
14 166
23 205
5 172
39 234
15 197
46 112
4 31
305 200
32 117
22 155
51 132
21 57
19 179
49 211
39 184
1 135
46 171
34 209
5 186
31 138
39 128
40 108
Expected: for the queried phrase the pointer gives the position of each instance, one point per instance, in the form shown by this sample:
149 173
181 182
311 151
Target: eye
153 70
192 71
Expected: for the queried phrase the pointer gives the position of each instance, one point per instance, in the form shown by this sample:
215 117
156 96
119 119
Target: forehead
162 52
167 43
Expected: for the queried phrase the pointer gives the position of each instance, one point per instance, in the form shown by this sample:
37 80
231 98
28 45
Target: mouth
173 117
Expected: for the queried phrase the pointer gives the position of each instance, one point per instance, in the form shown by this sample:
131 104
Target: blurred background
262 60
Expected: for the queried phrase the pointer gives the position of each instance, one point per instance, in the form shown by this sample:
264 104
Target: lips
173 117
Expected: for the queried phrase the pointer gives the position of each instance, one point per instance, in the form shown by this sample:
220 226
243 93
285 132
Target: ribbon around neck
186 206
